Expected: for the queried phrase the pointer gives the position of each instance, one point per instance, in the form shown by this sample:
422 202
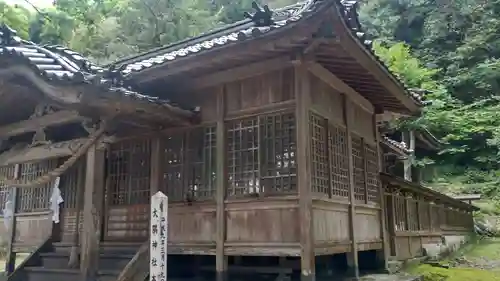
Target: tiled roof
250 28
396 144
56 65
239 31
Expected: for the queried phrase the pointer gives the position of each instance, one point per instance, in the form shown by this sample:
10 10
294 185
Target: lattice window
413 214
372 173
261 154
400 212
359 168
202 162
6 172
279 168
339 161
129 172
424 218
35 198
319 155
243 153
70 184
189 163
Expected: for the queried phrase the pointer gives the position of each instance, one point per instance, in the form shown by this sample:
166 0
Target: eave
301 28
411 186
66 78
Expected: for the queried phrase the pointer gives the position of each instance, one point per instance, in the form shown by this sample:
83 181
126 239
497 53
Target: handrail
137 268
32 259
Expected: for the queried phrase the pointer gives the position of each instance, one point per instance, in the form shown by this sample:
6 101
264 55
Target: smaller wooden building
416 215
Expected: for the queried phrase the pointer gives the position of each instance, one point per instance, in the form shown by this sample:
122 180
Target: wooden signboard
159 237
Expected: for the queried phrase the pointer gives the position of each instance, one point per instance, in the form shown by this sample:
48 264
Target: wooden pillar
221 183
92 212
302 89
156 163
409 139
10 260
384 233
353 262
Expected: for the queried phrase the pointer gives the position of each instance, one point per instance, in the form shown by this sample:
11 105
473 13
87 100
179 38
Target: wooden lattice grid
372 173
189 163
70 184
339 161
400 216
129 172
423 215
261 154
359 167
6 172
435 223
279 168
37 198
320 174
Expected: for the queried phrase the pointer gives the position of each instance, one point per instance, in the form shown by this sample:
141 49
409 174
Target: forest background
451 48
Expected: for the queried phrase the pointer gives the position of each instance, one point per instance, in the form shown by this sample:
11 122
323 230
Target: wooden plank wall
416 220
259 128
330 174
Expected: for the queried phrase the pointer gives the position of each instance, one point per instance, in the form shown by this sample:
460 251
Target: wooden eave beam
328 77
240 72
247 48
50 120
426 191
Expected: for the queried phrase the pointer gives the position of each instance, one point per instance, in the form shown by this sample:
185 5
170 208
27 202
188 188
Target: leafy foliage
450 48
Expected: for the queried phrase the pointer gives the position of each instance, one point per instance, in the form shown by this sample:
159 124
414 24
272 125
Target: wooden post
352 257
73 257
159 237
302 90
409 139
221 181
383 204
10 260
156 164
94 188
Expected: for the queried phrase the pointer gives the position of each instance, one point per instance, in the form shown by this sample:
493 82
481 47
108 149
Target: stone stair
53 265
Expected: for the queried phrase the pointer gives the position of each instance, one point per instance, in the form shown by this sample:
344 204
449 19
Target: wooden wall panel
127 223
262 220
68 224
189 224
326 101
363 123
367 224
331 222
32 229
260 90
3 232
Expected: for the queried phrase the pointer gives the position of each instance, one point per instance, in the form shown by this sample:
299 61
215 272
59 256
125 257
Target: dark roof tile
57 64
248 29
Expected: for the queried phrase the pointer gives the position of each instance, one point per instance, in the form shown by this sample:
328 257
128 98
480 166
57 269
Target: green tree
16 17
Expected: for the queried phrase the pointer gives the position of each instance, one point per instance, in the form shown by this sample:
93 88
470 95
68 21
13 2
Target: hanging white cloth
55 200
8 211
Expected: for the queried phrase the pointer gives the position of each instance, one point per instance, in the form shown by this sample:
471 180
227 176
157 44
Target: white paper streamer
55 200
8 211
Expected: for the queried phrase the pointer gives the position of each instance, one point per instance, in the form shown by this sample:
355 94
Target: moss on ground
477 261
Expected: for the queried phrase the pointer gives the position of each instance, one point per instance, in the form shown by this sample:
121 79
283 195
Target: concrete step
106 261
50 274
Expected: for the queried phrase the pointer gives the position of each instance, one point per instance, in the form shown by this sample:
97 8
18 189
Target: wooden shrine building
263 134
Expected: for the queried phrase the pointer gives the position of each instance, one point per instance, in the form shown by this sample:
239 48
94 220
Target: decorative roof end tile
262 16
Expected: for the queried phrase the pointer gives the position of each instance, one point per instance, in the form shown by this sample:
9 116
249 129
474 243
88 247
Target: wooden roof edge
425 136
427 191
467 197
